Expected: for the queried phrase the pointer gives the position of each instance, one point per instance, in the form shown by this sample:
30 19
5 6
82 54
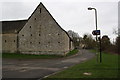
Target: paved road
39 68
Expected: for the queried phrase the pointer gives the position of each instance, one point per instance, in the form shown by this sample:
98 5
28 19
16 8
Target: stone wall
43 34
9 43
72 45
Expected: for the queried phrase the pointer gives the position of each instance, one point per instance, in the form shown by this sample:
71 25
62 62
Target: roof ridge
14 20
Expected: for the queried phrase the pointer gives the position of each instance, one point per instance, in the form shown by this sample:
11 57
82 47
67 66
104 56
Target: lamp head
90 8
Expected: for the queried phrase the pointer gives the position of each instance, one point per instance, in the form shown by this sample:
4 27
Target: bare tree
117 42
75 37
73 34
115 31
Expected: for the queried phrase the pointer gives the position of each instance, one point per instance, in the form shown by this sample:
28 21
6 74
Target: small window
58 34
31 35
30 42
40 10
35 18
30 26
14 40
39 42
39 34
5 41
58 42
22 35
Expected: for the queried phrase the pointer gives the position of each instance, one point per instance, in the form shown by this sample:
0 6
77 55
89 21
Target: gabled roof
54 20
12 26
16 26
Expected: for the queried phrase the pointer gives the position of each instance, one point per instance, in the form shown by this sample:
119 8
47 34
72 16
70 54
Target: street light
95 17
90 8
96 30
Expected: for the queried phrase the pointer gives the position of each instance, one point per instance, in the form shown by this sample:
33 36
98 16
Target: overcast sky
70 14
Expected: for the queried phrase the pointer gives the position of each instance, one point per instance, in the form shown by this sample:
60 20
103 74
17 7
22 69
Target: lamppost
96 33
95 18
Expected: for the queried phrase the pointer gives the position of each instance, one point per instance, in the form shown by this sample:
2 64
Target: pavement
38 68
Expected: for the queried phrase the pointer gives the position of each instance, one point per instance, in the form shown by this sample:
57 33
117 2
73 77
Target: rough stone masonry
39 34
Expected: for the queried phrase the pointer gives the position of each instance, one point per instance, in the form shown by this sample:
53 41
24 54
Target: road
39 68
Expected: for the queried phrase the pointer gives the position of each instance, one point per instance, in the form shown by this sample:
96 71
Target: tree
105 41
88 41
117 43
75 37
115 31
73 34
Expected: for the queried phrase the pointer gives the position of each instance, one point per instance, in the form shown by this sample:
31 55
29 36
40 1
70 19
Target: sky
70 14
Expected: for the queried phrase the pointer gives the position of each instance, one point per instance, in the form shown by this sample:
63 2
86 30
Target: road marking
45 76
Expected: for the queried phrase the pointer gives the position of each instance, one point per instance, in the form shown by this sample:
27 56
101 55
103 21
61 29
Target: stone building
39 34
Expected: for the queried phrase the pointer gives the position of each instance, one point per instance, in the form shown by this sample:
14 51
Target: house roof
12 26
54 20
16 26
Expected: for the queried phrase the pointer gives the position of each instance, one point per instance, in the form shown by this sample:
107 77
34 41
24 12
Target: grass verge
30 56
72 52
91 69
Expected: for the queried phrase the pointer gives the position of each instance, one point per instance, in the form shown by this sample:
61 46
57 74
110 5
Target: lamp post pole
96 35
95 18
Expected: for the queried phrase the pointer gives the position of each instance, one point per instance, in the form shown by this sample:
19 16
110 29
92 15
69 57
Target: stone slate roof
12 26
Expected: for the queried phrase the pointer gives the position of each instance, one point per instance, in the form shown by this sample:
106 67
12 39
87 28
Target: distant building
39 34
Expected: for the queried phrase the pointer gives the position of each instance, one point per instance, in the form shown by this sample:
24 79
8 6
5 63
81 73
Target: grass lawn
91 69
30 56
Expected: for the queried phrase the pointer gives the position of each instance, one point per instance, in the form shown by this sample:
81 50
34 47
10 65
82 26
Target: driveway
39 68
